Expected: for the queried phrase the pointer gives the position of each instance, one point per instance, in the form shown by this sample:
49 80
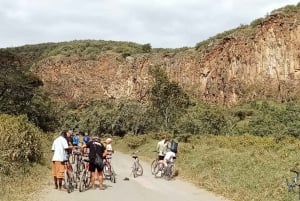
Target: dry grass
241 168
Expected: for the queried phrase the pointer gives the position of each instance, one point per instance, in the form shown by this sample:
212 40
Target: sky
161 23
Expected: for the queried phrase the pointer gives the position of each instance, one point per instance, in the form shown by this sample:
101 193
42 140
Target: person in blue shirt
75 140
86 138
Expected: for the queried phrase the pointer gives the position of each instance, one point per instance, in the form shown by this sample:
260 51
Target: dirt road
144 188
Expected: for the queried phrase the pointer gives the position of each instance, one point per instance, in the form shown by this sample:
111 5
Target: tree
167 98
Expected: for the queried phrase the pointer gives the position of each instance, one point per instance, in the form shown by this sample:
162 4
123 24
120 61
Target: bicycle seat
134 156
86 160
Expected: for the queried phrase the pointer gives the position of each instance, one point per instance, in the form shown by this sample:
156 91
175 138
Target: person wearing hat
95 146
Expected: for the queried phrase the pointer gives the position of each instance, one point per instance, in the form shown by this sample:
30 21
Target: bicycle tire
82 182
107 170
153 166
134 170
68 181
139 170
113 177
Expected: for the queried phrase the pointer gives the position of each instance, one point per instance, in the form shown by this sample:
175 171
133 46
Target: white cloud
166 24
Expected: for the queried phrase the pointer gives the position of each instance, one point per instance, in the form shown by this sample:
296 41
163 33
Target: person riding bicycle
59 148
95 146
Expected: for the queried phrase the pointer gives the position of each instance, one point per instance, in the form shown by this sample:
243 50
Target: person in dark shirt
68 136
95 146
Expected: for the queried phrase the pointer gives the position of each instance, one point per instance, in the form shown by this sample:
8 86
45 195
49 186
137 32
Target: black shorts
94 167
161 158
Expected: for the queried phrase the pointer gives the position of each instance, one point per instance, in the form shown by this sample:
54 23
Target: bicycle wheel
113 177
72 158
153 166
170 172
67 181
134 168
139 169
82 182
107 170
159 170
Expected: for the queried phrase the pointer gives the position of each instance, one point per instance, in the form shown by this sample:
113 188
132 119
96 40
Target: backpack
173 146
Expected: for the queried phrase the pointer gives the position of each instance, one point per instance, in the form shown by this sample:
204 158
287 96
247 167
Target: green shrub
134 141
20 142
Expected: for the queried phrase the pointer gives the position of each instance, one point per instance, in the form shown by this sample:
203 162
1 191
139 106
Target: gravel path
143 188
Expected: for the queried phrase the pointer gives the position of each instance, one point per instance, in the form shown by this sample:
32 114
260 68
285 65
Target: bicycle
69 176
137 169
166 171
294 182
85 179
79 164
154 165
108 170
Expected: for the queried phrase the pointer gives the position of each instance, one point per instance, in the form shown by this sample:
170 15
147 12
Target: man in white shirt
59 147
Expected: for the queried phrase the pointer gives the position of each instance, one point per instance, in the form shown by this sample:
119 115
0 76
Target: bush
21 142
134 141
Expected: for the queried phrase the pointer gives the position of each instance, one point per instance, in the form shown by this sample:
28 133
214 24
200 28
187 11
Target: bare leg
55 182
93 179
100 176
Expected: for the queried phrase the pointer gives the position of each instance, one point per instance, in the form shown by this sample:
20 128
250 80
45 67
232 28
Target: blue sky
162 23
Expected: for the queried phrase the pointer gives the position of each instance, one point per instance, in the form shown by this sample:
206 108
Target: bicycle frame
69 177
85 178
137 169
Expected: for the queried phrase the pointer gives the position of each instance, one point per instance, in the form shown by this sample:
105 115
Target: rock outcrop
261 61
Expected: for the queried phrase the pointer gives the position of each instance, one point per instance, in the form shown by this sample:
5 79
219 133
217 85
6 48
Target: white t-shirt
161 147
169 156
59 145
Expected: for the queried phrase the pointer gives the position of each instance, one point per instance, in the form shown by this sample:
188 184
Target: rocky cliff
260 60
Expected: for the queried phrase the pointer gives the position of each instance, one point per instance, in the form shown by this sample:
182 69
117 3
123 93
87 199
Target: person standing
161 148
96 147
76 139
86 138
59 148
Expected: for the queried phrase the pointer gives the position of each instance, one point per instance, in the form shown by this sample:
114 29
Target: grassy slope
240 168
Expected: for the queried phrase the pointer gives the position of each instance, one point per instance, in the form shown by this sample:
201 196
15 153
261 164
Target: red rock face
252 62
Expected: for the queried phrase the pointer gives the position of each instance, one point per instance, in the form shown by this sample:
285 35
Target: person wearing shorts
59 147
95 146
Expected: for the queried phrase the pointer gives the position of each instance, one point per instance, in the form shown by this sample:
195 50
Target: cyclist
169 157
96 146
59 147
109 148
75 139
161 147
86 138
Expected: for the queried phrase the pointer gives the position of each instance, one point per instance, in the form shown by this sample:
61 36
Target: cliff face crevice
261 63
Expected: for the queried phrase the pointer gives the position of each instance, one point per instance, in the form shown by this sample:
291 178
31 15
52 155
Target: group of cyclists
66 143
